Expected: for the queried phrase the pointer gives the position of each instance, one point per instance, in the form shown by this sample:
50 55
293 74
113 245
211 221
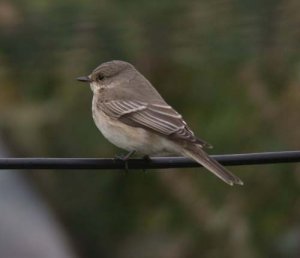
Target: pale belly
132 138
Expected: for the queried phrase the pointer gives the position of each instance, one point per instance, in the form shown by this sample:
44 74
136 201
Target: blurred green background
231 67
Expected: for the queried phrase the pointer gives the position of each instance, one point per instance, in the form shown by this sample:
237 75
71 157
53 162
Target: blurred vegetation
232 67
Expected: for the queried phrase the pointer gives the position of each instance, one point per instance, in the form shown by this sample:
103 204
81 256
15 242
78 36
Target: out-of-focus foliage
232 67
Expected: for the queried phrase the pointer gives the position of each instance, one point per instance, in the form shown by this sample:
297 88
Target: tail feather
199 155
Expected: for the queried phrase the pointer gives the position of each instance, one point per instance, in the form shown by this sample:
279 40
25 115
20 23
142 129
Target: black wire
158 162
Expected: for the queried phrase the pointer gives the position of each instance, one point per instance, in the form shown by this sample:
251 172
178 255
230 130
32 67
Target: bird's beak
84 79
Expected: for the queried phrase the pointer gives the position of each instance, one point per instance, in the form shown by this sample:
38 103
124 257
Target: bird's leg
128 155
147 159
125 158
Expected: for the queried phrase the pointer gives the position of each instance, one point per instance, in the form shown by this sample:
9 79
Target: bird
131 114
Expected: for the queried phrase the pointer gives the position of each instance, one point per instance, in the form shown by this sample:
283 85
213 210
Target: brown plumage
130 113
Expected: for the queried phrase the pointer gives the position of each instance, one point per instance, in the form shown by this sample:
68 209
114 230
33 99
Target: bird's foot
125 159
147 159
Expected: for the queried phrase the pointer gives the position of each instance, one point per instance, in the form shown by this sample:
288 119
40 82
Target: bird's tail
198 154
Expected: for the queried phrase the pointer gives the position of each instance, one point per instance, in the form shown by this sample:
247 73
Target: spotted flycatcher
131 114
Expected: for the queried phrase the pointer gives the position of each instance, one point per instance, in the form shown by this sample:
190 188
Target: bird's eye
100 77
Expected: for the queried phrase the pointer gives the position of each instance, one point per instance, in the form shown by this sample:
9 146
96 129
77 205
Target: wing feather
165 110
118 108
159 118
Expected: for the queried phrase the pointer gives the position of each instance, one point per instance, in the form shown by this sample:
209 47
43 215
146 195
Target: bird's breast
130 138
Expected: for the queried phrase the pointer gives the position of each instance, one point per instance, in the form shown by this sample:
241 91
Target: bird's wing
158 118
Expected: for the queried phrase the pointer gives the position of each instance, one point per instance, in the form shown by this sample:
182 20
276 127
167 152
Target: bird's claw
125 159
147 159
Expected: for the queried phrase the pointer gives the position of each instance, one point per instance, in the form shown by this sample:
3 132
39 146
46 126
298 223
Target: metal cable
155 162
